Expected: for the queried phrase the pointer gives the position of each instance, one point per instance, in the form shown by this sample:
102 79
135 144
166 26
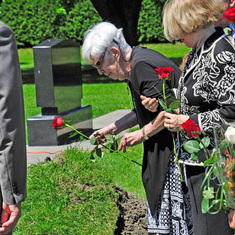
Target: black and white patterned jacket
207 84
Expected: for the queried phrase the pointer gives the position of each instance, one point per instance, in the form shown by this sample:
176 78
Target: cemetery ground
74 195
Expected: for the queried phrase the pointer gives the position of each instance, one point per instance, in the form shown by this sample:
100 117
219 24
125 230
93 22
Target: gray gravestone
58 82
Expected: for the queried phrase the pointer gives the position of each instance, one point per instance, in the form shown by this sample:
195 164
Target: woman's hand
101 137
131 139
149 103
173 122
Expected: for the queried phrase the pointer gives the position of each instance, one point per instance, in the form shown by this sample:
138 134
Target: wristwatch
145 136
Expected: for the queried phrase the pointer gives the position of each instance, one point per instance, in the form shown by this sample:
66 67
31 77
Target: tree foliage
150 27
37 20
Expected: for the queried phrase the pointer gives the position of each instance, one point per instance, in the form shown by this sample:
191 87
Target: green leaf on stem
109 138
205 205
205 141
97 134
169 110
208 161
175 104
73 134
161 102
93 141
191 146
208 193
194 157
99 152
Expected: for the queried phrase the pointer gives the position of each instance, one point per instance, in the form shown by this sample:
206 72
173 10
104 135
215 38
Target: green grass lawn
176 50
103 98
173 51
73 195
26 58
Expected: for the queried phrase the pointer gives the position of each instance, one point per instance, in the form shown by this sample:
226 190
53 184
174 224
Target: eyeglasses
97 64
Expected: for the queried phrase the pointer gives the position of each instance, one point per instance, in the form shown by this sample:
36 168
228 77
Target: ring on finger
169 126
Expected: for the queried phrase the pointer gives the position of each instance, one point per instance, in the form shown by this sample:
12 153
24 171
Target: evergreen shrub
150 27
34 21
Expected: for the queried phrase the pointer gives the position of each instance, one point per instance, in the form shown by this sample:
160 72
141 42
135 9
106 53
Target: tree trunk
123 14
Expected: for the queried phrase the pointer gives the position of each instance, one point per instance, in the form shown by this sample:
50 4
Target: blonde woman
206 89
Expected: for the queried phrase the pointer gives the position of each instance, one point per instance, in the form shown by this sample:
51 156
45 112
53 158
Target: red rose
58 123
191 128
230 14
164 72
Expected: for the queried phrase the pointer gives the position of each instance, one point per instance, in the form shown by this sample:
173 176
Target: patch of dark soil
132 218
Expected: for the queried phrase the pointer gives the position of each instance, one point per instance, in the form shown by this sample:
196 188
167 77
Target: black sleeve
148 81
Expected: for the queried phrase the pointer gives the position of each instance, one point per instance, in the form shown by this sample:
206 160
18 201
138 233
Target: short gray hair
100 37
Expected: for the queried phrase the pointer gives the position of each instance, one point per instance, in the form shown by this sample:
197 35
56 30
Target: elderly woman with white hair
105 47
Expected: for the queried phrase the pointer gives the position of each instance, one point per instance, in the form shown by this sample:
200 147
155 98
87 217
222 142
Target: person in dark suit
13 165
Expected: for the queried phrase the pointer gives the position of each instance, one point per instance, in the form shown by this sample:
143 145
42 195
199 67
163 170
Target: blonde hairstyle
186 16
100 37
184 60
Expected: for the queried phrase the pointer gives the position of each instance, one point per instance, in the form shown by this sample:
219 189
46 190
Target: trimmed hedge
78 20
150 27
31 21
34 21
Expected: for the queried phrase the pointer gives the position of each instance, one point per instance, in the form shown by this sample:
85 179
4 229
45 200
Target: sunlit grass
170 50
73 195
173 51
26 58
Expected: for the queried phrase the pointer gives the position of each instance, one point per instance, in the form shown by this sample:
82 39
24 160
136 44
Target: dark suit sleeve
12 121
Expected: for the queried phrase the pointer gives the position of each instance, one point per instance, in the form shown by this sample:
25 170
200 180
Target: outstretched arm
126 122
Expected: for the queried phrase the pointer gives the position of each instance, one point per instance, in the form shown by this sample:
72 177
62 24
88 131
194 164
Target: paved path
36 154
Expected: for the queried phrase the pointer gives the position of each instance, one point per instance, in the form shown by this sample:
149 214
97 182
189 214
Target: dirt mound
132 218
